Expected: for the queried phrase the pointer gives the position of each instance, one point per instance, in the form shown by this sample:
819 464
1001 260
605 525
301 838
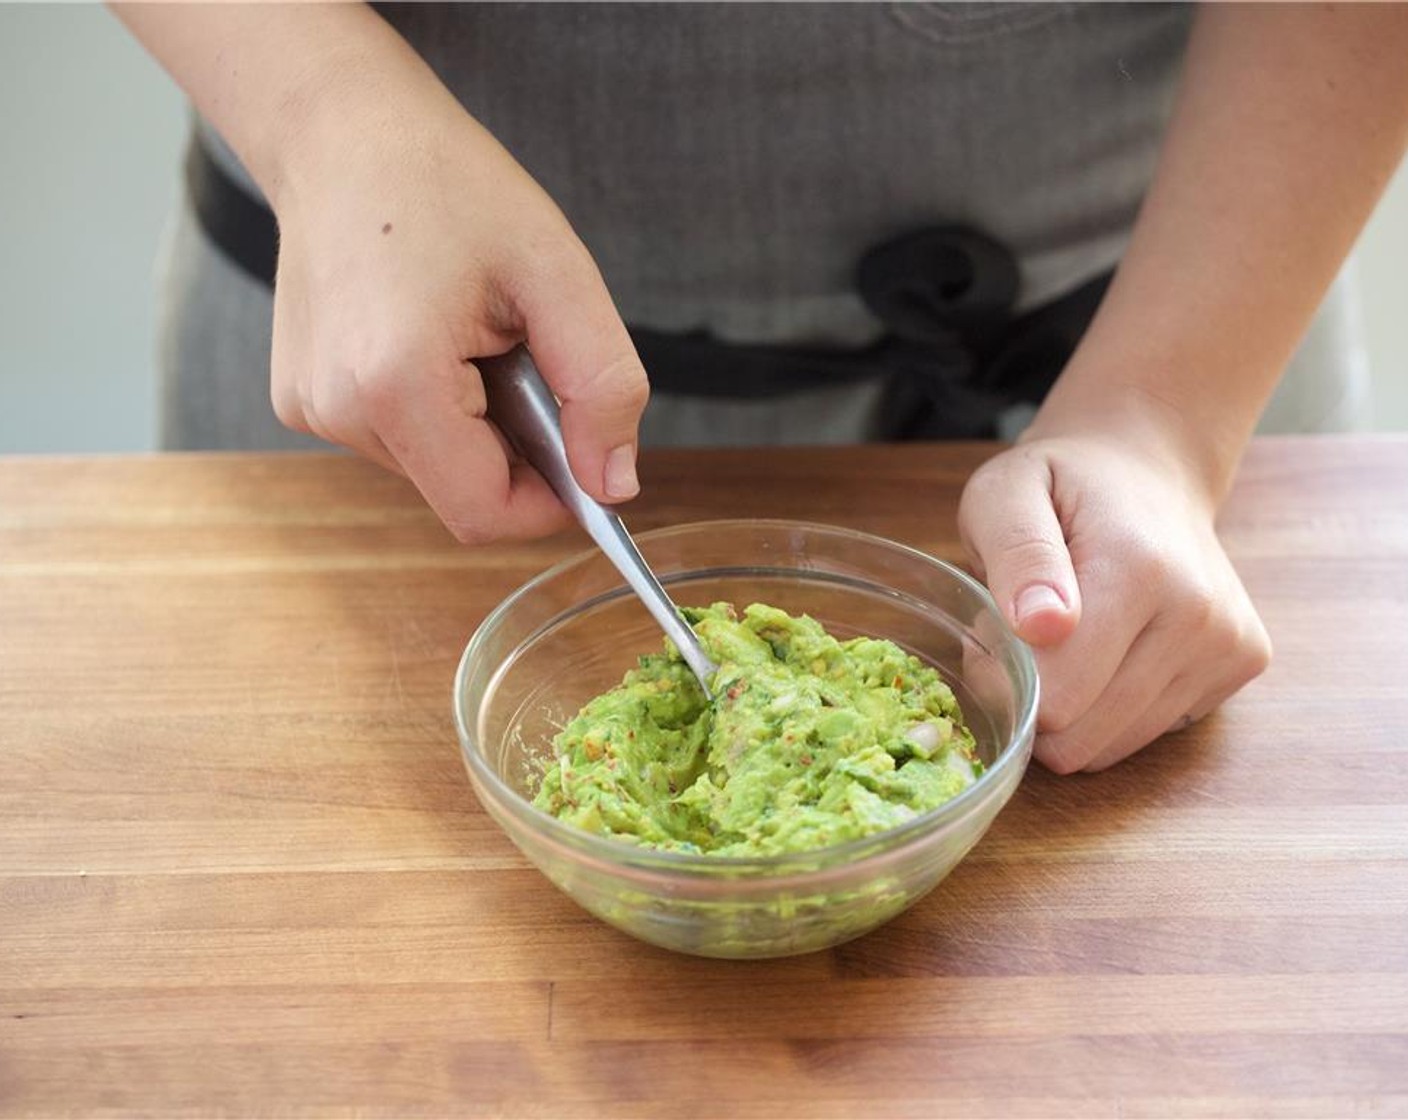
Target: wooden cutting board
242 871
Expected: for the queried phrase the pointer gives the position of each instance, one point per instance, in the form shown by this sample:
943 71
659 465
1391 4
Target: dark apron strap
954 357
241 227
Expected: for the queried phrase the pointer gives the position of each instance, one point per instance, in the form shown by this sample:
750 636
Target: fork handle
524 408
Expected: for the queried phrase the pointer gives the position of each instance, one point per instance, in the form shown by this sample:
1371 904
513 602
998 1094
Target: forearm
273 77
1289 123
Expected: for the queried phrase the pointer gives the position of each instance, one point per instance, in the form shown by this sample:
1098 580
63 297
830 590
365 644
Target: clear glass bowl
575 630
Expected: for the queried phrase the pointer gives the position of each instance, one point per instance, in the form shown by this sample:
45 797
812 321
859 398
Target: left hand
1101 553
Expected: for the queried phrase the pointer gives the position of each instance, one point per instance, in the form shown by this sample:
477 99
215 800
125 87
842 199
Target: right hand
411 243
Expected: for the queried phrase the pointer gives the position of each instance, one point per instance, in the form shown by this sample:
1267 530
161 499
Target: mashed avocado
809 742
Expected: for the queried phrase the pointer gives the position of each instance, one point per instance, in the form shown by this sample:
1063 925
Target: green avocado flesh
809 742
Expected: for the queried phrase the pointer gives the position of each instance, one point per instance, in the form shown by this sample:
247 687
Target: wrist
350 105
1149 423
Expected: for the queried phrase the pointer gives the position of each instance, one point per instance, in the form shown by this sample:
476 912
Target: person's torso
727 164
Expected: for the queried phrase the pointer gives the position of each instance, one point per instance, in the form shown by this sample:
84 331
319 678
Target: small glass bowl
575 630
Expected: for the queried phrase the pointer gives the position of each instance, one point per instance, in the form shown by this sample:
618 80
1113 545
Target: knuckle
1201 611
619 384
1189 603
543 260
470 533
289 411
284 398
316 422
1060 708
380 387
330 402
1262 651
1058 755
474 517
991 479
1225 628
1026 549
1147 566
1253 651
377 380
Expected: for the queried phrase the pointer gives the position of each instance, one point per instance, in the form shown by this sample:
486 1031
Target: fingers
1188 698
422 415
587 357
430 417
1010 527
1183 703
1078 674
290 362
335 413
1159 687
1172 711
326 407
374 330
1139 691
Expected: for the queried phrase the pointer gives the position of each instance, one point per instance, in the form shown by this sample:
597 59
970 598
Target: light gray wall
90 135
90 140
1381 261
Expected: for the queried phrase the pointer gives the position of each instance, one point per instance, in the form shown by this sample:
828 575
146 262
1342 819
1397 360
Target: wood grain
242 871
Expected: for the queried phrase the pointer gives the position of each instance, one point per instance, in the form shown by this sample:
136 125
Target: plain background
91 135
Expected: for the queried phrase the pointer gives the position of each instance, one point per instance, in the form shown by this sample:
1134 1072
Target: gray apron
768 146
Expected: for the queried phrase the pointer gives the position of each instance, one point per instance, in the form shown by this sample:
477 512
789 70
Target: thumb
586 355
1009 525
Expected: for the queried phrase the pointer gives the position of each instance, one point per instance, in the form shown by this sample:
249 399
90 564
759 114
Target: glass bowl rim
625 855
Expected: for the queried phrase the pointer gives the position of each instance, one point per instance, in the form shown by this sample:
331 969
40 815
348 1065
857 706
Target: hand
410 243
1102 555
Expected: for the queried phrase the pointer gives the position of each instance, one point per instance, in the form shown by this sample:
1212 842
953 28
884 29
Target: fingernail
1037 598
621 473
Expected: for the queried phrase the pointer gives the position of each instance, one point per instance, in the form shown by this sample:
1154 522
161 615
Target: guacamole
808 741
